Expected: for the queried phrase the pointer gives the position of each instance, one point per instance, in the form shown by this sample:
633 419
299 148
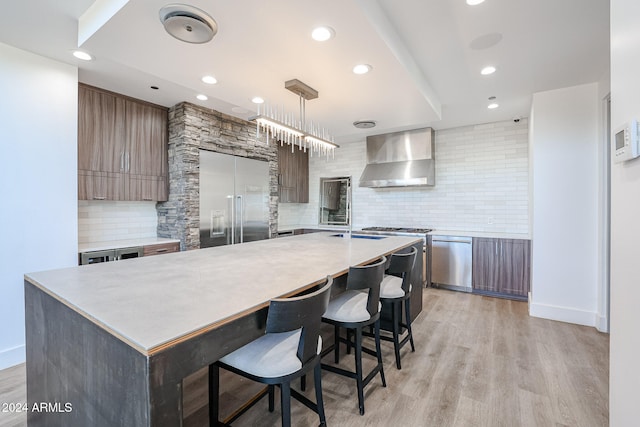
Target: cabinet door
486 260
293 174
101 136
146 135
514 269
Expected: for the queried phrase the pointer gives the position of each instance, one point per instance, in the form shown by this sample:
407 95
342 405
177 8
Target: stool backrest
368 277
401 265
303 312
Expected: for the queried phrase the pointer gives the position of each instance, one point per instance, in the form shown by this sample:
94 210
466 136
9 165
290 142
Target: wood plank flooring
479 361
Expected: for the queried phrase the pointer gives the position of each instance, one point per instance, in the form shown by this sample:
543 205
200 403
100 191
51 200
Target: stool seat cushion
270 356
391 287
349 306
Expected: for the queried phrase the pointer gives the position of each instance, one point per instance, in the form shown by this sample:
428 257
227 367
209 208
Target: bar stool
289 349
357 307
396 290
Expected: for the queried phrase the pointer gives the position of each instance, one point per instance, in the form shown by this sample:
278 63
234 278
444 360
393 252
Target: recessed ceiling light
362 68
488 70
202 97
322 34
154 87
493 105
257 100
474 2
210 80
82 55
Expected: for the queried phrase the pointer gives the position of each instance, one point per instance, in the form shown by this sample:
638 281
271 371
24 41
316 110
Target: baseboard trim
12 356
562 314
602 324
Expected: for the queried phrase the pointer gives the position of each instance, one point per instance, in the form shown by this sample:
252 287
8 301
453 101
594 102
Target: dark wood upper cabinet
122 147
293 174
502 266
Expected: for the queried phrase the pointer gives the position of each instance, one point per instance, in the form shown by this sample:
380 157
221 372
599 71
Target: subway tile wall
482 184
104 221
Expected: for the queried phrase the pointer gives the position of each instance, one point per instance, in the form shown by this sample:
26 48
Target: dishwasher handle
452 240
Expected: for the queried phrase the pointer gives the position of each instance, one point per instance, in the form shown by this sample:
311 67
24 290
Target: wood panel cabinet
502 266
293 174
122 147
160 248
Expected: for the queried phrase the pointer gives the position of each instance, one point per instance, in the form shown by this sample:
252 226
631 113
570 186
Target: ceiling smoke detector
188 23
364 124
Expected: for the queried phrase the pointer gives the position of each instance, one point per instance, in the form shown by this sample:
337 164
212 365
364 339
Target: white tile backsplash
482 184
105 221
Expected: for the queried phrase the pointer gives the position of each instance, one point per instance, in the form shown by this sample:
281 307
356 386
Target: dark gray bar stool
395 291
356 308
289 349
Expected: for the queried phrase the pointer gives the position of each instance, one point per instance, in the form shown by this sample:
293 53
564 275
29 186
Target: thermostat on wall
625 139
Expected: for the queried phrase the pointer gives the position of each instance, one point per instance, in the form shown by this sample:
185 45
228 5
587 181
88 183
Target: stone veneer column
191 128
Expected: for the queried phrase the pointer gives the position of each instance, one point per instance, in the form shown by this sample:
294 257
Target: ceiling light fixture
202 97
488 70
257 100
493 105
362 68
210 80
474 2
82 55
188 23
286 129
322 34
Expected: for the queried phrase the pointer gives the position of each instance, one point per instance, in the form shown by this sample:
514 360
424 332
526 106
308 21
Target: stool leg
285 404
303 383
379 352
336 343
358 356
317 380
395 308
271 397
349 340
214 390
407 311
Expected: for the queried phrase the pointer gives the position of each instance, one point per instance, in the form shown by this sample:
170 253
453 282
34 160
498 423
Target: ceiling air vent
364 124
188 23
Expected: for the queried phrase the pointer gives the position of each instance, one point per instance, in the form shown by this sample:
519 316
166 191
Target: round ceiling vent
364 124
188 23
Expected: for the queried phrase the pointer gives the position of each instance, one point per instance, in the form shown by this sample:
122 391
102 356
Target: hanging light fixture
286 129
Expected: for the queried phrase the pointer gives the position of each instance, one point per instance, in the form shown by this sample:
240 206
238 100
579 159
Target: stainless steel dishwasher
451 262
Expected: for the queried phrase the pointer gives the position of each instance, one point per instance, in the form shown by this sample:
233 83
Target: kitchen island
109 344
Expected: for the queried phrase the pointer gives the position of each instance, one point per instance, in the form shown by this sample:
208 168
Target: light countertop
488 234
115 244
151 301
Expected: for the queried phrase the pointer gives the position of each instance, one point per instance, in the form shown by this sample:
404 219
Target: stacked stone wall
192 128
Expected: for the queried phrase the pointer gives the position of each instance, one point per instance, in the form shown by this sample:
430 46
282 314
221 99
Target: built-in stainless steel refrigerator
234 199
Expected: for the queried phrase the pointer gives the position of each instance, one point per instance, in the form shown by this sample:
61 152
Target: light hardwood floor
479 361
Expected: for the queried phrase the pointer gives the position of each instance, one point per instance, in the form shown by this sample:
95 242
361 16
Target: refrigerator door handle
232 221
241 217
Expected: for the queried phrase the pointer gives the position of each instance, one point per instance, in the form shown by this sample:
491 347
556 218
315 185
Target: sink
361 236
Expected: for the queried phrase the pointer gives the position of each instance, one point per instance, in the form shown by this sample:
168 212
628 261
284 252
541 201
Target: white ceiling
425 69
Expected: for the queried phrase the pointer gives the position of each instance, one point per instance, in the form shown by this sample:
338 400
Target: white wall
38 181
564 155
481 184
624 382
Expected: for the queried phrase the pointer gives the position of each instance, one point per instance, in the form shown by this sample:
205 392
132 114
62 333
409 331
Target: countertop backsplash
104 221
482 184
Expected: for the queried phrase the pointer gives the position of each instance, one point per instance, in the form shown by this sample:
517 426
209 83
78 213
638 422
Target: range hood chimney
400 159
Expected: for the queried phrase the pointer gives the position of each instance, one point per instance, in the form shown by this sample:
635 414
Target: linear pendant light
283 127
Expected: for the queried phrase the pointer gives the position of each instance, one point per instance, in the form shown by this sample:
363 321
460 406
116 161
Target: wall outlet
490 220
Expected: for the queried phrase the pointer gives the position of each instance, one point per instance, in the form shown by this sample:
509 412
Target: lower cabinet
502 266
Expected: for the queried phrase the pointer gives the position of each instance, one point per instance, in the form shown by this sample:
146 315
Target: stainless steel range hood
400 159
